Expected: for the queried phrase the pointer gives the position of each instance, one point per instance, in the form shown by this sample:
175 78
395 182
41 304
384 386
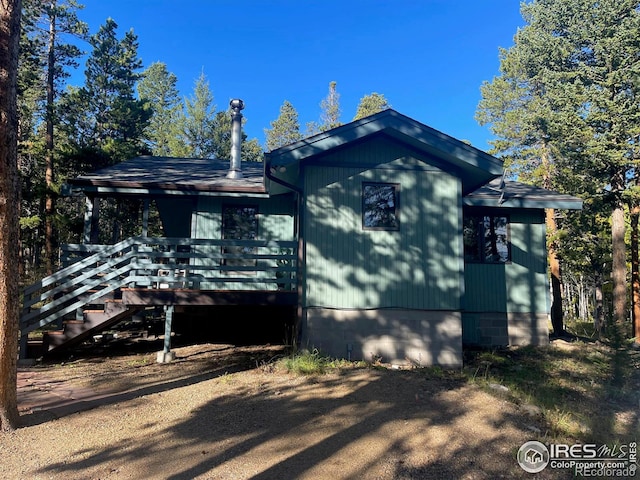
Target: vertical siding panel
349 267
275 222
509 287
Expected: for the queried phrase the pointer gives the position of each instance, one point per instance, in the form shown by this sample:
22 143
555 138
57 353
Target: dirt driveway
223 412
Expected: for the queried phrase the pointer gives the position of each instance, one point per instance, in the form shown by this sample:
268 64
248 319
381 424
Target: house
382 238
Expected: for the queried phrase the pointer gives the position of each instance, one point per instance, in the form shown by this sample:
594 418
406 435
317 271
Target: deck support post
166 355
88 213
145 217
24 342
91 213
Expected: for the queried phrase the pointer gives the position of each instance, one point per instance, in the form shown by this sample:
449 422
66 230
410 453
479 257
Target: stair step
35 349
77 328
97 315
53 339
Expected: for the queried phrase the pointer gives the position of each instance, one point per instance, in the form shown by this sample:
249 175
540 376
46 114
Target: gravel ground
224 412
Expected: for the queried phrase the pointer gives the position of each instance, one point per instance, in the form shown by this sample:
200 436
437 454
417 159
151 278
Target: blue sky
428 57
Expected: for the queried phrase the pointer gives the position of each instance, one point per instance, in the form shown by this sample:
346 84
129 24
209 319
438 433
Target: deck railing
91 272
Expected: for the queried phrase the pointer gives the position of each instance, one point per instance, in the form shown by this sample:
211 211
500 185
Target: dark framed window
380 206
486 238
239 222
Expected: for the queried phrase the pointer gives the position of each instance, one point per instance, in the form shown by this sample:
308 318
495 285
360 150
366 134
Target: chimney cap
236 104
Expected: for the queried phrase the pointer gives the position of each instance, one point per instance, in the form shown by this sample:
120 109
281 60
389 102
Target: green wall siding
417 267
275 216
275 222
518 286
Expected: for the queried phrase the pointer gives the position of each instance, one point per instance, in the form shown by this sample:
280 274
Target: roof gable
472 165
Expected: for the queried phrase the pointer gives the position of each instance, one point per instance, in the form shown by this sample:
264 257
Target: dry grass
587 391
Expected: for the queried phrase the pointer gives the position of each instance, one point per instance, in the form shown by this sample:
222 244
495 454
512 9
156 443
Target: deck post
92 208
88 213
24 342
167 355
145 217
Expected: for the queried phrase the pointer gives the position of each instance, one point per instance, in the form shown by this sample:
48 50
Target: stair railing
76 285
158 263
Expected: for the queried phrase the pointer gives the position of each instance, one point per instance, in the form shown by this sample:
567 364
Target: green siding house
384 239
412 245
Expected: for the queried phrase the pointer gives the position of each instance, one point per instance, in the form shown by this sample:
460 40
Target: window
380 206
239 222
486 239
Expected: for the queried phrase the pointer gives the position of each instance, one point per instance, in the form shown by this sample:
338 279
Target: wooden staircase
84 297
80 299
95 319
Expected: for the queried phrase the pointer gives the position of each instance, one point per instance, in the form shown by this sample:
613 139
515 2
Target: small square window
380 206
486 238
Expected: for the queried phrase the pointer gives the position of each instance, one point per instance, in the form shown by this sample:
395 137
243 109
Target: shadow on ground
234 416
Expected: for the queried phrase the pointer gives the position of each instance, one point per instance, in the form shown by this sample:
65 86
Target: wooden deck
144 271
179 296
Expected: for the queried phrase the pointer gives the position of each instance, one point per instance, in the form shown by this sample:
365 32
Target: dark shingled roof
169 173
519 195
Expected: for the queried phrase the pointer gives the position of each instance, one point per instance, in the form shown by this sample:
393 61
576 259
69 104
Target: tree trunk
598 313
10 12
49 205
557 319
635 272
619 268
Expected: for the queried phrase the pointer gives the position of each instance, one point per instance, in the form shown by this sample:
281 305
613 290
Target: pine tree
103 122
104 117
62 19
566 109
31 98
370 104
198 124
330 109
252 151
285 129
221 133
158 87
46 57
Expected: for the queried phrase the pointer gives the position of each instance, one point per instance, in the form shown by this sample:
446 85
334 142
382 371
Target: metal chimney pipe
235 169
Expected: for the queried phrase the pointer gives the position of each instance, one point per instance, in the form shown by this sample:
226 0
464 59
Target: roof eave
480 166
520 202
124 188
389 121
